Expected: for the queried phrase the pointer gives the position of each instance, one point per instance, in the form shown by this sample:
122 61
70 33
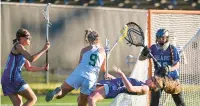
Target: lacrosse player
13 84
92 60
111 88
168 57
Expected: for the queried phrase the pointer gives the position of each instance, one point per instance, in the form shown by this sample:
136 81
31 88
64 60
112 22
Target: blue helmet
162 32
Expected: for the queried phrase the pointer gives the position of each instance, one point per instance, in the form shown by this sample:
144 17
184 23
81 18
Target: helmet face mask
162 36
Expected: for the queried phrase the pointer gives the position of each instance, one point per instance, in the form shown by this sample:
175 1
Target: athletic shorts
86 86
13 88
112 91
106 87
25 86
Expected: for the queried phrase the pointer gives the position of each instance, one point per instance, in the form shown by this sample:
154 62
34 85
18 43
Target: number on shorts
93 59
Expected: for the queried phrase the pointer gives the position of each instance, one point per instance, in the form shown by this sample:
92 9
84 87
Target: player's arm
176 64
29 67
140 90
103 66
102 52
174 67
109 76
81 54
176 60
28 56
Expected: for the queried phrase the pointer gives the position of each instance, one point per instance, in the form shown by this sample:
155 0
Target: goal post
184 33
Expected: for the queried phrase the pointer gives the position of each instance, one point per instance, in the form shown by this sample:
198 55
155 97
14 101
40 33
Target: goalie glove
145 52
163 71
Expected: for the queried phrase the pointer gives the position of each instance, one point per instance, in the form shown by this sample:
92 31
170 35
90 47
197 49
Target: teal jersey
90 64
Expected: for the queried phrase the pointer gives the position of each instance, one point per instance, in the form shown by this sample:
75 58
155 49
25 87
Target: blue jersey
11 79
116 86
164 57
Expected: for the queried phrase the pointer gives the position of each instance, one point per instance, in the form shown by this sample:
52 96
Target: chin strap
165 46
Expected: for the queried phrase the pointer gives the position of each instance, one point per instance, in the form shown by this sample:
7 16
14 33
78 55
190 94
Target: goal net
139 73
184 33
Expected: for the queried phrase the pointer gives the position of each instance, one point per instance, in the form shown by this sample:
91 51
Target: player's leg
28 94
82 99
178 99
65 89
71 83
16 99
98 94
155 96
87 87
59 92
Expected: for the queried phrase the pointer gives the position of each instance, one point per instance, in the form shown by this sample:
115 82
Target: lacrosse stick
119 39
48 24
135 36
107 54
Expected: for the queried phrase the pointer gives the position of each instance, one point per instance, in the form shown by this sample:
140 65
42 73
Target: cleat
51 95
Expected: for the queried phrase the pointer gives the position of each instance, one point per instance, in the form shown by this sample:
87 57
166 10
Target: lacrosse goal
184 33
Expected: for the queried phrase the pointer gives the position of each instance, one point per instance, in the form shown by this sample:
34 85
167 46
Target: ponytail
15 41
91 36
87 31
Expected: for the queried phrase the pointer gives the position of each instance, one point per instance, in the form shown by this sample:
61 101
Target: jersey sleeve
176 55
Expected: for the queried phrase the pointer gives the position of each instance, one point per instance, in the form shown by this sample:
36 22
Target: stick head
135 35
123 33
46 14
47 7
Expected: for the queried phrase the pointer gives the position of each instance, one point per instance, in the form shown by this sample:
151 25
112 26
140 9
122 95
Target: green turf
69 100
191 98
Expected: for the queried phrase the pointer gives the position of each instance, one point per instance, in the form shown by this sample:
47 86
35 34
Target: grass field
191 98
69 100
191 94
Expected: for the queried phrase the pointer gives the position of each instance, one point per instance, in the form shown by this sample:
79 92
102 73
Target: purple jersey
116 86
164 57
11 79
